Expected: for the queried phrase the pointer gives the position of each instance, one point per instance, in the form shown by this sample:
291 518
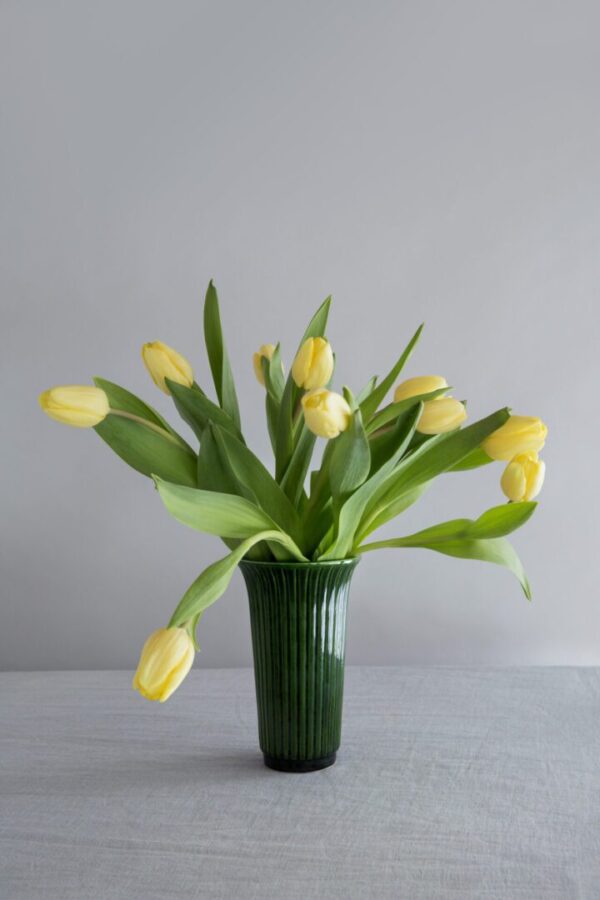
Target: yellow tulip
313 366
326 413
81 406
166 658
266 350
422 384
519 434
441 415
523 477
164 362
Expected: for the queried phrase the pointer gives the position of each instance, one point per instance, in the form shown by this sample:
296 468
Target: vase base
299 765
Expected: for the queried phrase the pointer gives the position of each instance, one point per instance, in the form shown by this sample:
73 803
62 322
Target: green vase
298 621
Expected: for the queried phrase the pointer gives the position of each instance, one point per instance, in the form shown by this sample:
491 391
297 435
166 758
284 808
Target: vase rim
296 564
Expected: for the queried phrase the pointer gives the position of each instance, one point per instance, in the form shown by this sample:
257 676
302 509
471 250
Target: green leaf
352 511
473 460
214 471
501 520
351 459
385 442
121 399
387 513
291 394
293 479
149 449
370 404
482 538
212 512
217 356
251 473
197 410
213 582
393 410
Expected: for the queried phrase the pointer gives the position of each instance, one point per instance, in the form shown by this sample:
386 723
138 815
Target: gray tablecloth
449 784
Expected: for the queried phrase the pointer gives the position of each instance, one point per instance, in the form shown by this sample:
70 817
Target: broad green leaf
393 410
249 471
352 511
473 460
212 512
290 397
213 582
149 449
214 471
217 356
351 459
370 404
197 410
121 399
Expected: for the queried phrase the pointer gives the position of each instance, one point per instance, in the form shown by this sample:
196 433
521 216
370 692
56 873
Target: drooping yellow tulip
523 477
266 350
166 659
441 415
313 365
421 384
81 406
519 434
326 413
164 362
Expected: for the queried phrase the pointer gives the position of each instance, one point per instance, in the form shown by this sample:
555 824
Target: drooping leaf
214 470
149 449
385 514
217 356
482 538
213 582
226 515
369 405
197 410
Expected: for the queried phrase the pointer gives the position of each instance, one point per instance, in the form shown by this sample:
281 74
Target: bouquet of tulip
377 461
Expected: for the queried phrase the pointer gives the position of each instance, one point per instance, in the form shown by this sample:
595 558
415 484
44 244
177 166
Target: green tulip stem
150 425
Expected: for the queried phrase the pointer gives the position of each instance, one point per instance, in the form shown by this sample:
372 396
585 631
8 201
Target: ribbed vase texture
298 621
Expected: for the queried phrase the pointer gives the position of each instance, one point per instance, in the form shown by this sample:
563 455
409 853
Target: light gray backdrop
433 161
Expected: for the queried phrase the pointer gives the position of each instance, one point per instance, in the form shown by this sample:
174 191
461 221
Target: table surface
450 783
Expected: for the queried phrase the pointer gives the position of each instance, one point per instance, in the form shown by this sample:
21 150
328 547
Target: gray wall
419 160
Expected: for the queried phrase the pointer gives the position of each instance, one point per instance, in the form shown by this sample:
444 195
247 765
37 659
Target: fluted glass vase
298 621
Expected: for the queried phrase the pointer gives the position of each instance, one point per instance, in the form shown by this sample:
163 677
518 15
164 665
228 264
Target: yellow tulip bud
519 434
523 477
81 406
164 362
166 658
313 366
441 415
326 413
266 350
422 384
